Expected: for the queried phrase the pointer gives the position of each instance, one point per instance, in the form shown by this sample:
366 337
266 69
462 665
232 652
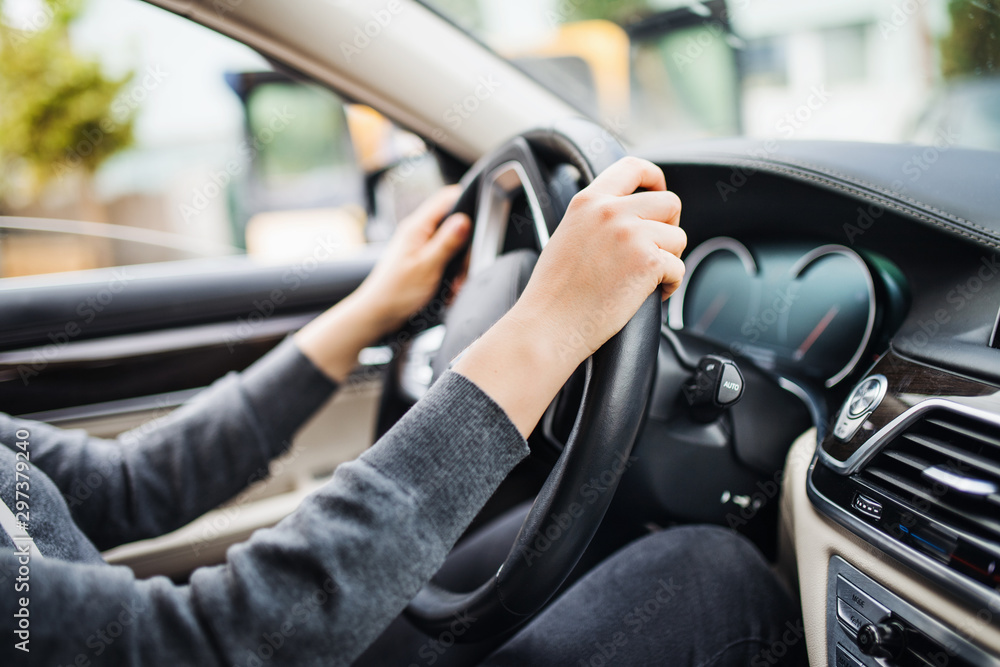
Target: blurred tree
621 12
57 112
972 48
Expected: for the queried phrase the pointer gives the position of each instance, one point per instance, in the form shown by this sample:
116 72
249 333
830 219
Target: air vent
943 473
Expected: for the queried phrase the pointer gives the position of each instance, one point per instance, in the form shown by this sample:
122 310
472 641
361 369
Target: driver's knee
694 595
721 590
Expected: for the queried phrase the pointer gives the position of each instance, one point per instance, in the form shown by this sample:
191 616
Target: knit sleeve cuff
285 389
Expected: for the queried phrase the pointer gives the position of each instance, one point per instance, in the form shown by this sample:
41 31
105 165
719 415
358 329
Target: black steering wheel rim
619 378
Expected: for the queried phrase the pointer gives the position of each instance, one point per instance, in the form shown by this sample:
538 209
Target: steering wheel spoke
497 192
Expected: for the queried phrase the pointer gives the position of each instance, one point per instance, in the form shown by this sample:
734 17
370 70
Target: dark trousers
696 596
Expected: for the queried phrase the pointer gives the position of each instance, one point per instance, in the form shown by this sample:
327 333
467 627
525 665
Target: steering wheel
618 380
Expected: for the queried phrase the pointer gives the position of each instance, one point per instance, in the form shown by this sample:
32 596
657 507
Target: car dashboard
863 311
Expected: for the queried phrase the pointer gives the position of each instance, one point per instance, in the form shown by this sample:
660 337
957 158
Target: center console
895 522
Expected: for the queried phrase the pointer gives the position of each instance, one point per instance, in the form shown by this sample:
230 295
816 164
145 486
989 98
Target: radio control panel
869 626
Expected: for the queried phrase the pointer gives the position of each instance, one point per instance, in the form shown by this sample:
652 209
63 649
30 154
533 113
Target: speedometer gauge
805 311
832 311
722 292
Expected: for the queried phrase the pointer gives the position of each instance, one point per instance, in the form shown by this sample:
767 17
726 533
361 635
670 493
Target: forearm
164 474
520 365
323 583
333 340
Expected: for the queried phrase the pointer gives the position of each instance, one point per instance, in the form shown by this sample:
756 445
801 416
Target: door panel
160 333
161 340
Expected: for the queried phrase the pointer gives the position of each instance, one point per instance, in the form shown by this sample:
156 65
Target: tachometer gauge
832 312
806 312
720 290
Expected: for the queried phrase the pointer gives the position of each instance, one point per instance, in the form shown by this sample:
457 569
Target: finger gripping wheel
619 379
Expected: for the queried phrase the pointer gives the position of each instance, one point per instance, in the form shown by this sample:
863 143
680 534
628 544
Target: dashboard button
846 659
852 619
860 600
864 397
882 640
860 404
867 506
731 385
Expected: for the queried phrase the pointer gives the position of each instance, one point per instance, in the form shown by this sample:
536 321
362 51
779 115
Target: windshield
658 71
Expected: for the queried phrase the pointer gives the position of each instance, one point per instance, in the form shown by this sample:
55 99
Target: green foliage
619 11
55 106
973 46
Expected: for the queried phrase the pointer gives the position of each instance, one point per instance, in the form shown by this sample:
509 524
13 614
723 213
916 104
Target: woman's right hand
613 248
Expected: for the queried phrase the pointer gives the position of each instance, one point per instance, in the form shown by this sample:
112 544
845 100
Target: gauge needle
816 332
712 312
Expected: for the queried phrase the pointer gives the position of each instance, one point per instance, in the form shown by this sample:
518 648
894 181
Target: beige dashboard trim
816 539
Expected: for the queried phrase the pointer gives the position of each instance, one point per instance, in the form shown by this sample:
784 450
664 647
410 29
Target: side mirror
302 177
687 59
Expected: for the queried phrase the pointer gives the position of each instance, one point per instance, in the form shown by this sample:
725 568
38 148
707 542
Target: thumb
449 237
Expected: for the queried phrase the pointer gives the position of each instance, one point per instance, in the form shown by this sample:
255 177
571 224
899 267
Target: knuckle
674 202
680 240
623 235
677 270
654 262
633 162
606 212
581 200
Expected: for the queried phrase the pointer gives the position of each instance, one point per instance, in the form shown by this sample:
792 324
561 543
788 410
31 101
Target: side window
129 135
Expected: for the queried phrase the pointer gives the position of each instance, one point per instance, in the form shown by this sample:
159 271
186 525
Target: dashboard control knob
863 397
882 640
716 385
861 403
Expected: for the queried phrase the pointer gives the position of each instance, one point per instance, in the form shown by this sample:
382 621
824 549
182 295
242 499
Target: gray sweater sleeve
163 475
314 590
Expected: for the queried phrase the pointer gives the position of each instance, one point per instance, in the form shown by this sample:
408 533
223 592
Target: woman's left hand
404 280
408 274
